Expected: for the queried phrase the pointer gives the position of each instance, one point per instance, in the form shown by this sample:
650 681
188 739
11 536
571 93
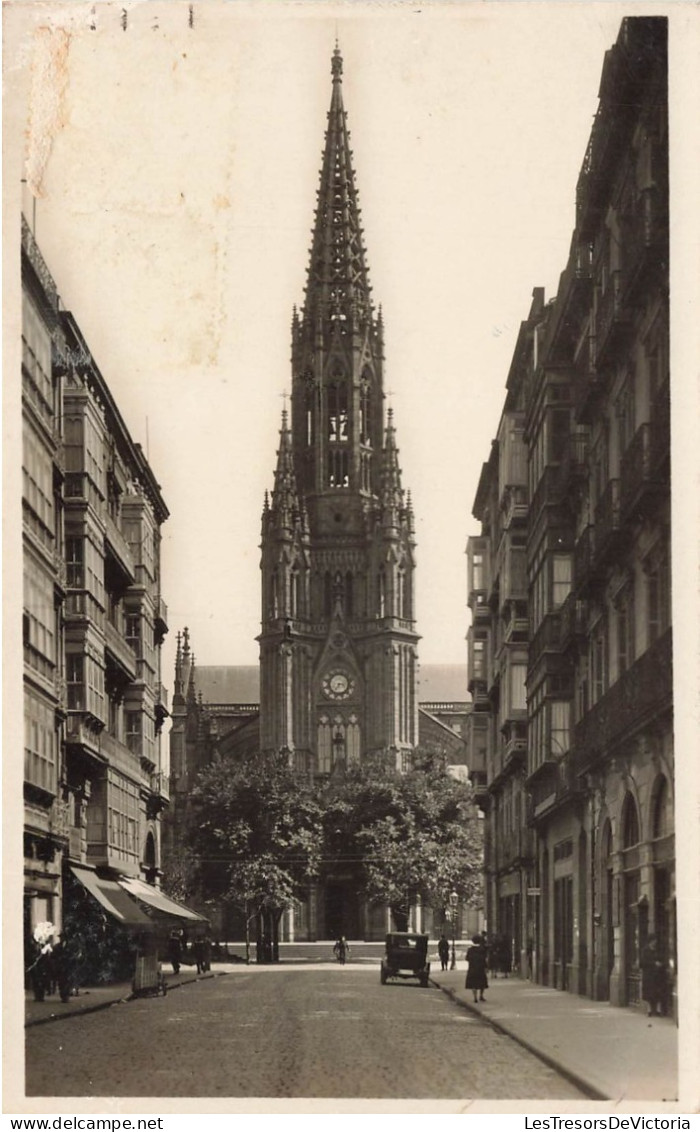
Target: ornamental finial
337 63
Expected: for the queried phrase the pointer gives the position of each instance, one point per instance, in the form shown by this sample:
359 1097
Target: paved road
325 1031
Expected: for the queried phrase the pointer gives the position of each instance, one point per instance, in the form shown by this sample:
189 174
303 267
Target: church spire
391 497
337 282
285 499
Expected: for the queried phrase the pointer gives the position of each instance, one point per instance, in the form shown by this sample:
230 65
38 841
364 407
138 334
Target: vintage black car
406 958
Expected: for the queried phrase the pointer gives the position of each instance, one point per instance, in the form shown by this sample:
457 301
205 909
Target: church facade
338 673
338 655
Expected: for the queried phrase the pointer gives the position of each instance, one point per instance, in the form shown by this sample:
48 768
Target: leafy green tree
406 834
180 874
256 833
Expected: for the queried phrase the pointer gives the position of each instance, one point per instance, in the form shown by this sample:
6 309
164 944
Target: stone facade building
96 773
44 591
216 715
589 845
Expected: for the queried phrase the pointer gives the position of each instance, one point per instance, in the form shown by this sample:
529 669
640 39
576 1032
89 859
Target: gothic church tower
338 641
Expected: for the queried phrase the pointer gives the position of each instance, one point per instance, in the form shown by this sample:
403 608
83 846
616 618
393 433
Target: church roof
240 684
235 684
442 683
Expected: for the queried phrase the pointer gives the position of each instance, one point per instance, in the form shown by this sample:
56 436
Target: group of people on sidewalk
54 963
483 958
200 952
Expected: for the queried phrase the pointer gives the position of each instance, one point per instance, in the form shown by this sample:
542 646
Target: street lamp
454 901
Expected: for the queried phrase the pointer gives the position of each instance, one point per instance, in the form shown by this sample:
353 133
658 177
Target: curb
591 1091
131 997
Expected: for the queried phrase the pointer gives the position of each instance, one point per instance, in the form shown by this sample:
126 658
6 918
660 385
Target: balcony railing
547 491
160 784
645 240
516 625
79 488
120 652
116 544
514 504
583 559
612 315
608 526
514 586
639 478
160 618
111 747
479 606
547 637
83 730
574 461
574 620
589 382
31 250
642 693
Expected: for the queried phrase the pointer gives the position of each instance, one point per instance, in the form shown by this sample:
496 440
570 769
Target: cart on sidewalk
148 974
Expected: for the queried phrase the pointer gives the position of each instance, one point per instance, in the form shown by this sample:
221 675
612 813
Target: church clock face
337 685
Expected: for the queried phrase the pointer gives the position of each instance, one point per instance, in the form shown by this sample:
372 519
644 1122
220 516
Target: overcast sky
176 170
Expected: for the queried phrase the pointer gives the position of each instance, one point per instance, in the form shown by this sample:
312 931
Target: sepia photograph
344 348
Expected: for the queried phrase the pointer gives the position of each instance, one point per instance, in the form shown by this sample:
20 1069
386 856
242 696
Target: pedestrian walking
476 969
654 980
199 956
505 956
67 962
175 951
443 951
341 949
41 953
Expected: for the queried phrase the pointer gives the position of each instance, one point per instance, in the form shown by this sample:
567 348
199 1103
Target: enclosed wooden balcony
121 654
546 638
573 621
641 695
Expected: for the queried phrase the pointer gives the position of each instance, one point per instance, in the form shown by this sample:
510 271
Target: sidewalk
97 998
611 1053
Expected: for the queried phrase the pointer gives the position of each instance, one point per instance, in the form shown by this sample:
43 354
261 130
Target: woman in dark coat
654 980
476 969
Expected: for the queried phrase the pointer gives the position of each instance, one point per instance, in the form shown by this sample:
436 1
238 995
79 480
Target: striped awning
114 900
163 907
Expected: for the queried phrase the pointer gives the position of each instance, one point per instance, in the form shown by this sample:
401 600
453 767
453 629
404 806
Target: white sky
178 170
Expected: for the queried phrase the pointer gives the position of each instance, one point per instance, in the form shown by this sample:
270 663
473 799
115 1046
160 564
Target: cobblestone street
324 1031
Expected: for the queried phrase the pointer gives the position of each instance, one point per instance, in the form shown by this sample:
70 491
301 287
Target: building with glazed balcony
599 761
96 770
498 657
44 582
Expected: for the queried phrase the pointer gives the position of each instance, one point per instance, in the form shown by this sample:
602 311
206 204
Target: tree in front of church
410 834
255 830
